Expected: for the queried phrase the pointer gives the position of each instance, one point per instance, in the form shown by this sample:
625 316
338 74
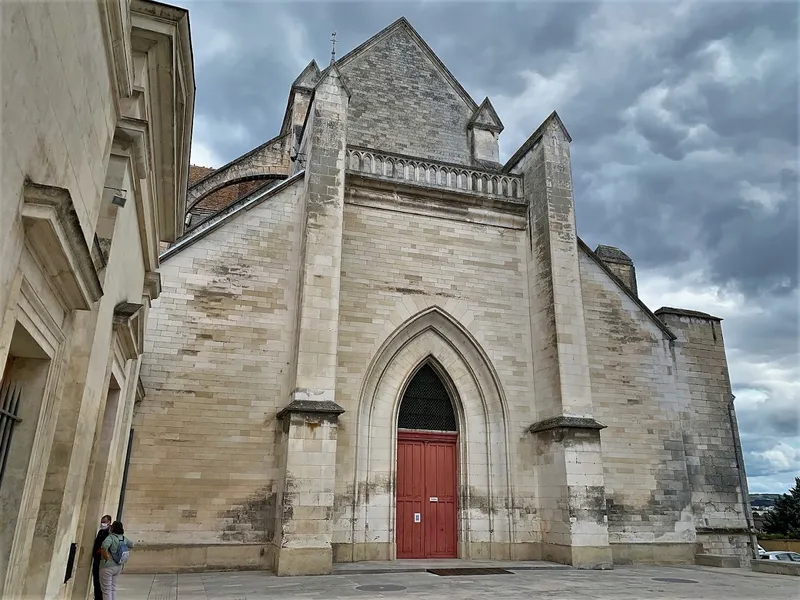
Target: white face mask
104 525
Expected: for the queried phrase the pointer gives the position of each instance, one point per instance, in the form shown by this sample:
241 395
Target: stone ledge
725 561
565 422
324 407
777 567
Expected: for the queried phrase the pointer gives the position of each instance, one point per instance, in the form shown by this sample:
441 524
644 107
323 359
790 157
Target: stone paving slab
622 583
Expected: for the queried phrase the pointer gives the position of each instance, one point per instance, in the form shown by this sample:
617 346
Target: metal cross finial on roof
333 47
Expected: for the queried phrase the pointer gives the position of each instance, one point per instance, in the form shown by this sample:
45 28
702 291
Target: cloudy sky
684 117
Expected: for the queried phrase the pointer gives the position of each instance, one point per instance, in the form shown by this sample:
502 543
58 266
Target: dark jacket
98 541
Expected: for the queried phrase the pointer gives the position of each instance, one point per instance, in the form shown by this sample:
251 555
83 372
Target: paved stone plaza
634 583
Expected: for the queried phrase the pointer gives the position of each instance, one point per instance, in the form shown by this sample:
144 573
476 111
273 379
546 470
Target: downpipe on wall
737 450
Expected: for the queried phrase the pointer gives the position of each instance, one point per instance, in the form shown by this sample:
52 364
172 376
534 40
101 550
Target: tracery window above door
426 404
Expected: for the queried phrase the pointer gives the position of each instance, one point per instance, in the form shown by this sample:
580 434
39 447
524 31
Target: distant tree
784 519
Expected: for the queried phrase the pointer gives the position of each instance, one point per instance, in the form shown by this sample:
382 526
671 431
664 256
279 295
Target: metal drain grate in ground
674 580
384 587
466 571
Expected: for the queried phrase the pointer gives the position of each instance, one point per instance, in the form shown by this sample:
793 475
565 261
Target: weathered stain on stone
473 498
587 503
250 521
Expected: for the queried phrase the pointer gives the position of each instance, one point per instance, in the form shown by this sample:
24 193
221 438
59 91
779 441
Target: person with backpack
116 550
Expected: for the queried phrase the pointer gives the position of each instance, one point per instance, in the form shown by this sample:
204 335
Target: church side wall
634 394
401 103
218 348
395 265
708 435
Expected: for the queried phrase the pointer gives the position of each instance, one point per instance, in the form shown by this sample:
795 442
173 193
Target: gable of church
404 101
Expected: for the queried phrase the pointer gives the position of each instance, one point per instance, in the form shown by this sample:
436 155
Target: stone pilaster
571 486
308 443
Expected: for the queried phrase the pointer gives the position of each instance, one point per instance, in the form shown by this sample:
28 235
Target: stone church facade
391 345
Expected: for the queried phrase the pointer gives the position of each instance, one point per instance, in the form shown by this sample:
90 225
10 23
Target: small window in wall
426 404
9 414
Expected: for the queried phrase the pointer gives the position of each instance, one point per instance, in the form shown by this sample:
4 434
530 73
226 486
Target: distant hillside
763 500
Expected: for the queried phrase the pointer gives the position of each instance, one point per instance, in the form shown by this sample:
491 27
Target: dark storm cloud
684 117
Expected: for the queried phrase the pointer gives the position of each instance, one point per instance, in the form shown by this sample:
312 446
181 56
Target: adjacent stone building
98 102
395 346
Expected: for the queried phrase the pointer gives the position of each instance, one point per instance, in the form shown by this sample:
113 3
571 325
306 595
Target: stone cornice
152 285
132 140
132 134
128 324
566 422
54 235
683 312
320 407
116 31
446 204
162 33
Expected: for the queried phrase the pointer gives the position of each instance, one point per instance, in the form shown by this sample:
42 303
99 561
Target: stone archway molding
486 515
269 159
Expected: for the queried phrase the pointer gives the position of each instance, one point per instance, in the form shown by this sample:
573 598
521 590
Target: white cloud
296 50
217 43
204 156
760 196
782 457
770 484
206 132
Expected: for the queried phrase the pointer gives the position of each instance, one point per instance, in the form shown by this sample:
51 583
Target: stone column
308 445
570 469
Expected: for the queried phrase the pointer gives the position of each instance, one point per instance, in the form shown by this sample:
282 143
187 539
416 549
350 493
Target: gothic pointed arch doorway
427 468
485 523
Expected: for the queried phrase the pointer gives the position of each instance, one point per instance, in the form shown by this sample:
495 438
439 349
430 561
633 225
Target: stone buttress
307 444
566 436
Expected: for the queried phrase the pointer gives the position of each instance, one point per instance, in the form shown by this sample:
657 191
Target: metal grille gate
9 407
426 404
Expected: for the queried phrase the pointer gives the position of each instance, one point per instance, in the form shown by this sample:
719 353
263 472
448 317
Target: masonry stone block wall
393 268
709 430
633 389
216 372
396 77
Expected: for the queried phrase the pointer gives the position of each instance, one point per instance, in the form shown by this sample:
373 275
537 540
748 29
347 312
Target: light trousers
108 581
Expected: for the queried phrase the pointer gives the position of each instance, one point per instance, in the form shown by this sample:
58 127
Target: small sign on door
417 517
434 499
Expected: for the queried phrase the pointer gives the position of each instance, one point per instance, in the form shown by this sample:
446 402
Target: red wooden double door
426 495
